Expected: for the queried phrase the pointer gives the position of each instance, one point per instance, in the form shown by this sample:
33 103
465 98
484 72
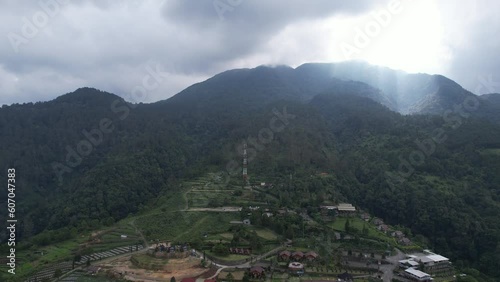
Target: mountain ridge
402 92
406 93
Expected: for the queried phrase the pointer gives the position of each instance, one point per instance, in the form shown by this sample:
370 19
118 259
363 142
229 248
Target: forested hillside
88 158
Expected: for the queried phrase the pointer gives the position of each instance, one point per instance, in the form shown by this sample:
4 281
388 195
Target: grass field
225 237
170 221
237 275
266 234
57 252
358 223
230 257
184 226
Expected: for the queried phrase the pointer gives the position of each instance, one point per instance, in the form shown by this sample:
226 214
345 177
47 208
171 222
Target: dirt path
183 233
221 209
184 195
138 231
217 272
212 190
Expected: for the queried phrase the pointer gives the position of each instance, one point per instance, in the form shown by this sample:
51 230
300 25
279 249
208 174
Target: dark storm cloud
472 34
230 29
110 44
106 44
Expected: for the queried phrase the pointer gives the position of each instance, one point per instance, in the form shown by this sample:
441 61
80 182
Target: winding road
246 264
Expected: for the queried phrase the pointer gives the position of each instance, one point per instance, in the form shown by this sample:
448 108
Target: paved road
247 264
388 269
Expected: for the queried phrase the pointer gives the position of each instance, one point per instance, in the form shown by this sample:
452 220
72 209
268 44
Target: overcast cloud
110 44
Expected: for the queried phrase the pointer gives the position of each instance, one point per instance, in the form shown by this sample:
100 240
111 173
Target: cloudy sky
52 47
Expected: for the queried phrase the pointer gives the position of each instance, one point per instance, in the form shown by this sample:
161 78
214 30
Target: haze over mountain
89 158
399 91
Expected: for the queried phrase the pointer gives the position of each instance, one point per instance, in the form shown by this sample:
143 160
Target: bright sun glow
411 40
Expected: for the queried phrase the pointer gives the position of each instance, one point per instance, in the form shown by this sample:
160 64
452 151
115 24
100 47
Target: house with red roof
297 255
257 272
310 256
284 255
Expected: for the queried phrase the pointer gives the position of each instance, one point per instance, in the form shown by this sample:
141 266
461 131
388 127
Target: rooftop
437 258
346 207
409 262
259 269
417 273
296 265
425 259
311 253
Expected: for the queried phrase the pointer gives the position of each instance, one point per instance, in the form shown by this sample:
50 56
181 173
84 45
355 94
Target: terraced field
49 271
113 238
111 253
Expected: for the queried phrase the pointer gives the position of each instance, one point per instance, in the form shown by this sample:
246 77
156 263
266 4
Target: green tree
77 257
220 249
365 230
347 226
246 278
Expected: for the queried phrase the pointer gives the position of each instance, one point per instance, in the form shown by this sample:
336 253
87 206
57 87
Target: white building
431 262
346 208
417 275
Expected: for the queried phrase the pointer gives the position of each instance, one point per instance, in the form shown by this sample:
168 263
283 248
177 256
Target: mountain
88 158
399 91
408 93
252 87
490 107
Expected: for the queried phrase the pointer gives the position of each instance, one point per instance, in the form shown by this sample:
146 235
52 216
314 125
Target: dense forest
89 158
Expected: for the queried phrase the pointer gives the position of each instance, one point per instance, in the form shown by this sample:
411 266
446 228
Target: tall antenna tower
245 164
